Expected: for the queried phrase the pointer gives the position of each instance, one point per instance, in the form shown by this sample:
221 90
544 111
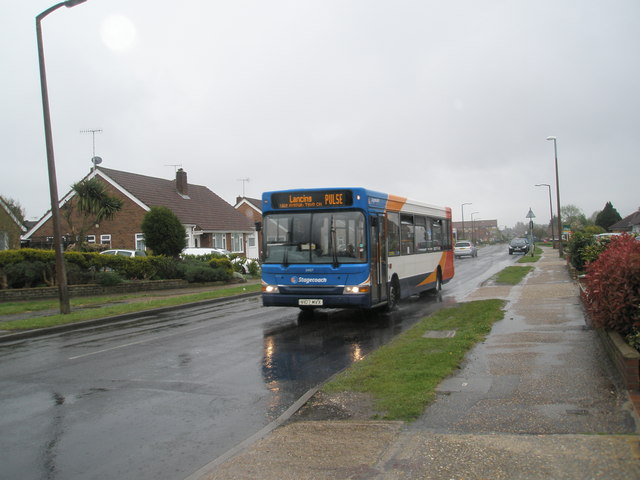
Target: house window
236 242
219 240
140 241
105 239
91 239
4 240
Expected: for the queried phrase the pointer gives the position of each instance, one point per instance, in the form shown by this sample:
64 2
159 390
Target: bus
351 248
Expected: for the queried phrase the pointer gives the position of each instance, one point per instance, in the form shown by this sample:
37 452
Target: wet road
160 396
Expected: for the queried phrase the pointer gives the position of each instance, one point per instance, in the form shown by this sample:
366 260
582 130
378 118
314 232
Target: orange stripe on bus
446 265
395 203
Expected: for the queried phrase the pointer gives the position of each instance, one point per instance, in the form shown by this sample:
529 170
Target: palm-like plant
93 200
93 204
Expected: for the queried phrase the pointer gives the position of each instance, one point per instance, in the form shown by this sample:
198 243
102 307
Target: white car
124 253
465 248
198 251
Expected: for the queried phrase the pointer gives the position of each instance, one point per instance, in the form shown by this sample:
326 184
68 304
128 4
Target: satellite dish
96 160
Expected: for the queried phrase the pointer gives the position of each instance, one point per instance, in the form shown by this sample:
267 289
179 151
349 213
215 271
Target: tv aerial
95 160
243 180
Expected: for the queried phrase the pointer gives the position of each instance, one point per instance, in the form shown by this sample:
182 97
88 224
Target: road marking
125 345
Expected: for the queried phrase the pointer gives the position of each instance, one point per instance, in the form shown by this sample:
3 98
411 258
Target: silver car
465 248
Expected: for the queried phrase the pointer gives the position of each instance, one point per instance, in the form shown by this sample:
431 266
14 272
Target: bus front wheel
394 295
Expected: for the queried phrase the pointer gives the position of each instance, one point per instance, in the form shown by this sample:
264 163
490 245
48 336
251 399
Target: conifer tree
163 232
608 216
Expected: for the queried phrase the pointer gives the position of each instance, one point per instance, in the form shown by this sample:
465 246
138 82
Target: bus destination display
319 199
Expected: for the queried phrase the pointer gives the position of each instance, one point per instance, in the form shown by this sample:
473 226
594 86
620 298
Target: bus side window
436 229
446 234
421 234
393 231
407 234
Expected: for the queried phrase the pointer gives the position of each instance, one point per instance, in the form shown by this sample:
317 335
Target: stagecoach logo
308 280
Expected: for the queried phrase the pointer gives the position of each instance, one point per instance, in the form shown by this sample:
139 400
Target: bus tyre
439 281
394 295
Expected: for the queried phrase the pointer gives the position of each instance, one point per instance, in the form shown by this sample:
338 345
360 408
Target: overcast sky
442 102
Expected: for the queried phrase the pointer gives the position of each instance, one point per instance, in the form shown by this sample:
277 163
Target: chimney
181 182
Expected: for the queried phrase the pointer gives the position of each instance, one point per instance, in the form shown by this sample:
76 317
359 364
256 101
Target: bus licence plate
317 302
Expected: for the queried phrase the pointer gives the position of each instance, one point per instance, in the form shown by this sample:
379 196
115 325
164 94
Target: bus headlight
362 288
270 288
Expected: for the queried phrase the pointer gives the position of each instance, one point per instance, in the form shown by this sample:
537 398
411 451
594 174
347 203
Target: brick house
209 221
251 208
11 228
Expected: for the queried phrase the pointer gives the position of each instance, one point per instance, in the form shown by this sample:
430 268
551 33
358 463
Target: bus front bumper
310 301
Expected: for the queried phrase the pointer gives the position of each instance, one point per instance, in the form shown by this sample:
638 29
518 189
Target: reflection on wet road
300 355
159 396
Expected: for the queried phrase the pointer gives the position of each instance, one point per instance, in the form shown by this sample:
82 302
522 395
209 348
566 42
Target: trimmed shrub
136 268
76 275
167 267
108 279
575 248
202 273
25 274
590 253
224 265
613 286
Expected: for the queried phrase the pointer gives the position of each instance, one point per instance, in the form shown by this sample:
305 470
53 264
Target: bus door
378 260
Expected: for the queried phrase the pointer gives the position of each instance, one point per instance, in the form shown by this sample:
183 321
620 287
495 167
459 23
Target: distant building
208 220
478 231
629 224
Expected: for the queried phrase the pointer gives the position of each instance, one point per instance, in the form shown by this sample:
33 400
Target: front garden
609 274
28 268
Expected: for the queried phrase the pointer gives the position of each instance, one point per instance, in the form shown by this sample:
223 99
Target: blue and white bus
351 248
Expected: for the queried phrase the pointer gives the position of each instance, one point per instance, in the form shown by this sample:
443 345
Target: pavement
538 399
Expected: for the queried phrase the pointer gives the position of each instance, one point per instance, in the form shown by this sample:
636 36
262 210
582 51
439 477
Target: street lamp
61 274
462 206
553 237
473 239
555 151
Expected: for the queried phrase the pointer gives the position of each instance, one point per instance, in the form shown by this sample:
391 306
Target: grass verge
512 275
402 376
537 253
90 308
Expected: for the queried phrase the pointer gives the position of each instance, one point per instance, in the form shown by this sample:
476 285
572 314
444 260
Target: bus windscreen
320 237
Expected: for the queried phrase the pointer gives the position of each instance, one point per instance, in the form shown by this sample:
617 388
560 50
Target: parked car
519 245
239 261
125 253
606 236
465 248
197 251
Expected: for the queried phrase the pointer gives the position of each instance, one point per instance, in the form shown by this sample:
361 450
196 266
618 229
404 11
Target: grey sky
442 102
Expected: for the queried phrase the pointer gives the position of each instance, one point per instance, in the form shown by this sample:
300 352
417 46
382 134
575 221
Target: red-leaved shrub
613 286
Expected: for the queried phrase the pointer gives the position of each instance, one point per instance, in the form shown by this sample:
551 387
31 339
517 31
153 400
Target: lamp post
462 207
473 239
553 237
61 274
555 151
